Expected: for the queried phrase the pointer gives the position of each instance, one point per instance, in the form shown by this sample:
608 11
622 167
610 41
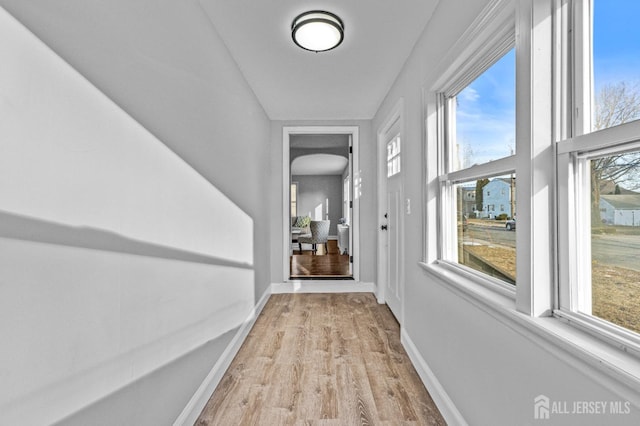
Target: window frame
576 145
574 240
544 56
490 36
482 50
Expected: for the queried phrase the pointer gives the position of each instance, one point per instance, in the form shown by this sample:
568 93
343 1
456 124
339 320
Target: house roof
623 201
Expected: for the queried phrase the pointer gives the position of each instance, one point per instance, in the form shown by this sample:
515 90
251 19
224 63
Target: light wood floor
323 264
322 359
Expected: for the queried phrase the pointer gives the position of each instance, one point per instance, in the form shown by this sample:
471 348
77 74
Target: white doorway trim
394 121
287 131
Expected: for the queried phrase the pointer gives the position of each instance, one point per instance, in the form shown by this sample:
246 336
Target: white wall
123 267
164 64
491 370
314 190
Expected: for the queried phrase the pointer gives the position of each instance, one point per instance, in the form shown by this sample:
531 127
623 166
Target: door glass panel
393 156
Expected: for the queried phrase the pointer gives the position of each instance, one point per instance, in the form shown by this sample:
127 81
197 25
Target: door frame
394 120
287 131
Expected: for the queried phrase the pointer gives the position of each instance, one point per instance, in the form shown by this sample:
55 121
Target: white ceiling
348 82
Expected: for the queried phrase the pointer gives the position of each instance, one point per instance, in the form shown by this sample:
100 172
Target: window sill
611 366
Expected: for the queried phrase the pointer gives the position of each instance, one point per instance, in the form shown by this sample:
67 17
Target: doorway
318 186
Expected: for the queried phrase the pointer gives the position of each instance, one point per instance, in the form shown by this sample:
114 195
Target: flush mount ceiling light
317 31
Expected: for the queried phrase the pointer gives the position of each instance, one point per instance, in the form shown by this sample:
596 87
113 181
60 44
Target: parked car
511 225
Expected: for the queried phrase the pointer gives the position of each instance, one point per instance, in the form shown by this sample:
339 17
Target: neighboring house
467 196
620 209
496 198
609 187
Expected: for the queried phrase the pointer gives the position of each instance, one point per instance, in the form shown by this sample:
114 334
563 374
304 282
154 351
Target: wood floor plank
355 394
321 263
322 359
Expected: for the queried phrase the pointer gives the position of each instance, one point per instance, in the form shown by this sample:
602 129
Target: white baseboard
200 398
322 286
446 406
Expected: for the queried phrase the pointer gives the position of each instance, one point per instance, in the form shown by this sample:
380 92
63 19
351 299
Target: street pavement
609 249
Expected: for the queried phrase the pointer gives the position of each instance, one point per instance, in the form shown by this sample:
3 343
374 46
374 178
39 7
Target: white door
394 211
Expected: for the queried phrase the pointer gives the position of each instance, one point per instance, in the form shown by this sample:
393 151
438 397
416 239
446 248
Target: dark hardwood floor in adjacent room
329 359
330 264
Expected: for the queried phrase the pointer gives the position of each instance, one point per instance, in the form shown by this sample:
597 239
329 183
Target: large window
600 171
541 203
478 197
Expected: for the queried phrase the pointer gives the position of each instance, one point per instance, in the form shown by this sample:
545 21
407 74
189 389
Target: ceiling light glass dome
317 31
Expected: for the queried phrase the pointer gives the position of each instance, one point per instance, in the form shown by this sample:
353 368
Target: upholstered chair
319 235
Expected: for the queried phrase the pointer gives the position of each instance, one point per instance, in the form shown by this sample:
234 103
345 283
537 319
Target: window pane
616 62
485 238
615 239
393 156
485 116
294 199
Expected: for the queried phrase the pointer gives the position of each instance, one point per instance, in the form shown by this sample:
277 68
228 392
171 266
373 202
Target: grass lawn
616 295
615 290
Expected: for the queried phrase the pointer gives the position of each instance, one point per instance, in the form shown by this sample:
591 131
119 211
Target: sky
485 114
616 41
486 108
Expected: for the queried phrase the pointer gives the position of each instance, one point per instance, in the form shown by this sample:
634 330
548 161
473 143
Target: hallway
147 162
326 358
